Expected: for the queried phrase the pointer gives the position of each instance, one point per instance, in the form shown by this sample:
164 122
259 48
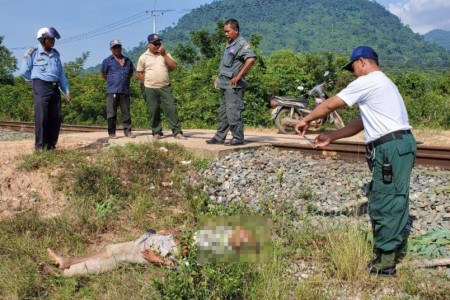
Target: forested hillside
439 37
318 26
314 26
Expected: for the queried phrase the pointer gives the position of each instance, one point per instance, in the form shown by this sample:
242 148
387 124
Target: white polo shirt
380 104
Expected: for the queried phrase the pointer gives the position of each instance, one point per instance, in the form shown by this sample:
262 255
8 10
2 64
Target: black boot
376 260
385 264
401 251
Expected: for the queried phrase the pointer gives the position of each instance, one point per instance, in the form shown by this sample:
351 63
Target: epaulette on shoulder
31 50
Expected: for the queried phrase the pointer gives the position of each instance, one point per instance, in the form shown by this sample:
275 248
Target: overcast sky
89 25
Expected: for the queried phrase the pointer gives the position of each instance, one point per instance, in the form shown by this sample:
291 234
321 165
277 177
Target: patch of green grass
208 281
22 246
347 250
51 159
273 281
117 193
202 163
305 194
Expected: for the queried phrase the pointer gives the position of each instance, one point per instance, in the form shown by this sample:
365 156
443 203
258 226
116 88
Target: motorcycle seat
292 99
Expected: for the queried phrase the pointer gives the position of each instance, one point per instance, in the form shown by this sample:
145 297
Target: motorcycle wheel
338 123
286 113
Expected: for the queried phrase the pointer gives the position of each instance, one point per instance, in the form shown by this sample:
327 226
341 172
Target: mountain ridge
315 26
439 37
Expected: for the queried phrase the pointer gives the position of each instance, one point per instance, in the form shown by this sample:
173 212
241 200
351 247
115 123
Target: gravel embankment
11 135
284 180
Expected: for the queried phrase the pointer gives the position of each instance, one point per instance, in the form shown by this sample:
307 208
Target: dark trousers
389 202
162 98
230 114
47 113
112 102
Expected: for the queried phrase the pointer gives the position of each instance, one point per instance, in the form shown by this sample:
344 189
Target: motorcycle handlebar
318 90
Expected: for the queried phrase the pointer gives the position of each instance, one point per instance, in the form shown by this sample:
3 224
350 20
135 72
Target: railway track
355 151
29 127
426 155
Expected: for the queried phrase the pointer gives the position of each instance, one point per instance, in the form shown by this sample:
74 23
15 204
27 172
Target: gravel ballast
325 186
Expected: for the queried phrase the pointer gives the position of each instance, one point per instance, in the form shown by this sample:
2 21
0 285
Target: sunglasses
156 44
116 46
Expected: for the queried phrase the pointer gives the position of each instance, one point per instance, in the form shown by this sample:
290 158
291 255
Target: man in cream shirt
153 70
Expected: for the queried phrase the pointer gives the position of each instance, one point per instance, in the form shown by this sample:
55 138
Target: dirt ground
21 191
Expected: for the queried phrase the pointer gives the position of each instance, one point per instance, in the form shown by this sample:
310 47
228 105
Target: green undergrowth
117 193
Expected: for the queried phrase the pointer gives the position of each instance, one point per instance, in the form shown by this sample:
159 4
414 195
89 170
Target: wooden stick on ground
425 263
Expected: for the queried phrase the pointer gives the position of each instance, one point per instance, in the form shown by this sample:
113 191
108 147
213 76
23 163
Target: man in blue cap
153 71
42 66
391 150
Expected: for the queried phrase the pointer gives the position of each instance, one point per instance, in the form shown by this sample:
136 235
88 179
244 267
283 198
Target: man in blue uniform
237 60
42 66
117 70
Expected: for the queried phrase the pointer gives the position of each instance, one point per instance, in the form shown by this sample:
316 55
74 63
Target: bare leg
65 262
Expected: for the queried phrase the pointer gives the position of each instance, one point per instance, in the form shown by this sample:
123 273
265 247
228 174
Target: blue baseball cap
360 52
152 38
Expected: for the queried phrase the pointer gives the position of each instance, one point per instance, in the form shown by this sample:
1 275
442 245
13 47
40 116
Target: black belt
54 83
396 135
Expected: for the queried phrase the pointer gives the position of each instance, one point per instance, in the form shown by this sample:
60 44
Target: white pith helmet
47 33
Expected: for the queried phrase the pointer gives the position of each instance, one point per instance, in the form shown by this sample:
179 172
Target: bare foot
46 269
60 261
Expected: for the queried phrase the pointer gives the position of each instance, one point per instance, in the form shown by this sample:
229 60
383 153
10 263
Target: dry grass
116 194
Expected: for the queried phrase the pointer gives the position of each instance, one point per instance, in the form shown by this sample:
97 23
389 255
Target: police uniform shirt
233 58
156 72
37 64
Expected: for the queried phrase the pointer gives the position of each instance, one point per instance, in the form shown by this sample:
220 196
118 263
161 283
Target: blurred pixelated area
232 239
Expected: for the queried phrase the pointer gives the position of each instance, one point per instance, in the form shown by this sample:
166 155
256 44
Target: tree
75 68
210 45
186 54
7 65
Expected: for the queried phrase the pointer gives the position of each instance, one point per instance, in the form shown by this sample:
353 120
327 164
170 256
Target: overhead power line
137 18
114 26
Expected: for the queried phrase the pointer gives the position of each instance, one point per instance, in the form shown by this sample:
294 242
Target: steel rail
355 151
351 151
29 127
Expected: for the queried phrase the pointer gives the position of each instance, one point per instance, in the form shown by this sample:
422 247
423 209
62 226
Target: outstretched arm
351 129
154 258
323 110
168 231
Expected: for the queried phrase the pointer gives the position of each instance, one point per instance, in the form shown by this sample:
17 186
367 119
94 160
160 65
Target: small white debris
167 184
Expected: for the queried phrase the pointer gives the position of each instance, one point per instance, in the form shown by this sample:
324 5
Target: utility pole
155 14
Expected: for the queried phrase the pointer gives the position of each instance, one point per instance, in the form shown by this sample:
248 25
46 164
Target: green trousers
389 202
162 98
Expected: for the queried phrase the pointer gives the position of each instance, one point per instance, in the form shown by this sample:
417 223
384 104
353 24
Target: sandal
180 136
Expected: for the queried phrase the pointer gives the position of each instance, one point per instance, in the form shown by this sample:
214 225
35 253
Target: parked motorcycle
287 110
